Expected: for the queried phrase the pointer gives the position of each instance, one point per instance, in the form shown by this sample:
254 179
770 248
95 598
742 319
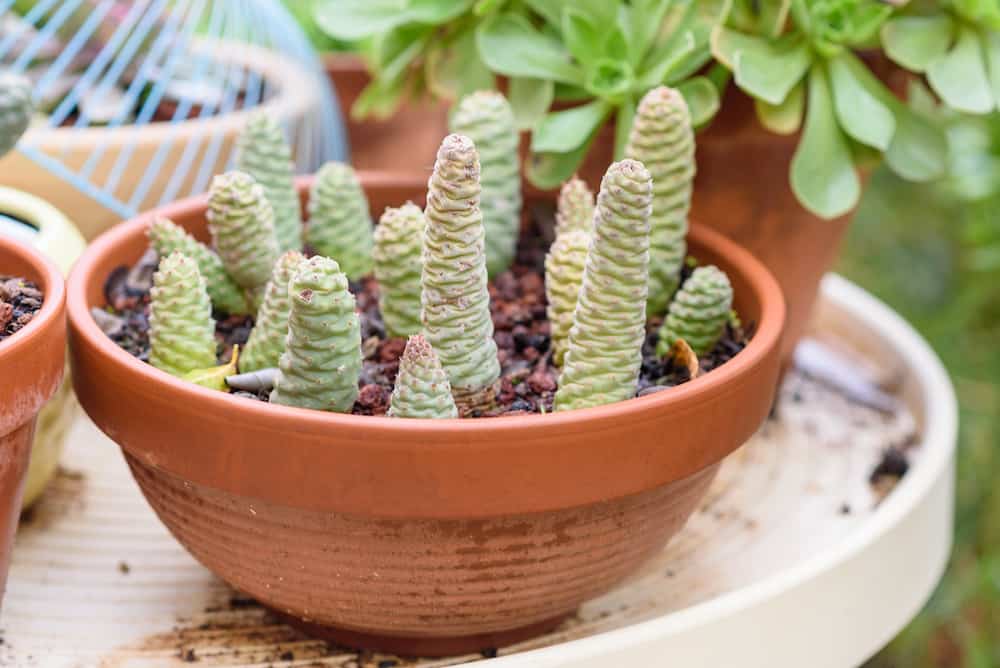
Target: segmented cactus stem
575 207
564 266
16 108
422 389
398 265
340 225
241 221
699 311
267 339
181 329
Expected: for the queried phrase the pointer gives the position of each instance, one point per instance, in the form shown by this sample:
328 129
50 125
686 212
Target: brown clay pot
419 536
31 368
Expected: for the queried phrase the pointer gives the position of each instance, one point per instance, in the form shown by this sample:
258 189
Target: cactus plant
454 298
181 329
264 154
604 353
663 141
167 237
241 221
487 119
422 389
16 108
267 339
340 225
322 360
398 265
575 207
699 312
564 266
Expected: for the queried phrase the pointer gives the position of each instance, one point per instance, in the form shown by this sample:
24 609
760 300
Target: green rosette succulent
609 325
422 389
575 207
398 265
564 266
167 237
340 225
486 118
181 329
16 108
662 139
699 312
241 221
264 153
322 360
454 297
267 339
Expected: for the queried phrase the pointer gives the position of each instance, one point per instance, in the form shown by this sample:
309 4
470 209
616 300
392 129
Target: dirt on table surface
20 300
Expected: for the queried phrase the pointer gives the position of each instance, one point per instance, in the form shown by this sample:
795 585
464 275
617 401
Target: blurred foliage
303 11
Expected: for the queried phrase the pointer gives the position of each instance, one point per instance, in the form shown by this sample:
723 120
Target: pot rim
53 306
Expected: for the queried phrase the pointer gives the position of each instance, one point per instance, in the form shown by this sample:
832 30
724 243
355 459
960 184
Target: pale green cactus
267 339
564 266
609 325
455 301
575 207
340 224
241 221
264 154
181 329
16 108
398 264
486 118
167 237
662 139
322 360
699 312
422 389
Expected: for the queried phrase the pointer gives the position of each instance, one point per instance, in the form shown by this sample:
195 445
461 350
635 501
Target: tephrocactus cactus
422 389
267 339
265 155
340 225
181 329
605 343
455 301
487 119
575 208
166 237
398 264
564 266
699 312
663 141
242 224
322 360
15 109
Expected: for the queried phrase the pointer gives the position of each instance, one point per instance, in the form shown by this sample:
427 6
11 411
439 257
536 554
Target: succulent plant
166 237
16 108
267 339
486 118
322 360
564 266
699 312
398 265
454 298
181 329
422 389
609 325
340 225
264 153
575 208
241 221
662 139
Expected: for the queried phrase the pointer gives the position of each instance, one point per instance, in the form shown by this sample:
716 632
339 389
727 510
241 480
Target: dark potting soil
20 300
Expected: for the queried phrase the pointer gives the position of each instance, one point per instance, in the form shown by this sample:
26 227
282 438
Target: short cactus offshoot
699 312
398 266
16 108
422 389
181 330
340 225
267 339
241 221
575 207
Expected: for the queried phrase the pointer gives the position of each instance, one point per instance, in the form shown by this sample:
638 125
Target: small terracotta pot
31 368
419 536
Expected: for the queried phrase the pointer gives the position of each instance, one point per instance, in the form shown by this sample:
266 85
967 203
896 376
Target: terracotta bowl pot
419 536
31 369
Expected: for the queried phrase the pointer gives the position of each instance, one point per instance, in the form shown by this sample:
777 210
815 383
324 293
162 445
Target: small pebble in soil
20 300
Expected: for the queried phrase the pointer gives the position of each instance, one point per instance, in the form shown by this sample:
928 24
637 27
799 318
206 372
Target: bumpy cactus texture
454 298
265 155
181 329
609 325
564 266
699 311
267 339
575 208
15 109
422 389
242 224
340 225
663 141
167 237
398 265
322 360
487 119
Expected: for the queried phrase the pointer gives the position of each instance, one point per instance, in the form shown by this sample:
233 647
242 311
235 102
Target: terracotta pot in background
419 536
31 368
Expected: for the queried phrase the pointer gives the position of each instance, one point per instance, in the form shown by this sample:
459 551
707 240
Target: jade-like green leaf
610 79
773 16
214 378
510 45
857 98
991 48
702 99
624 116
563 131
960 78
530 99
454 68
644 18
919 149
764 69
581 35
550 10
350 20
550 170
657 73
823 176
784 118
917 41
